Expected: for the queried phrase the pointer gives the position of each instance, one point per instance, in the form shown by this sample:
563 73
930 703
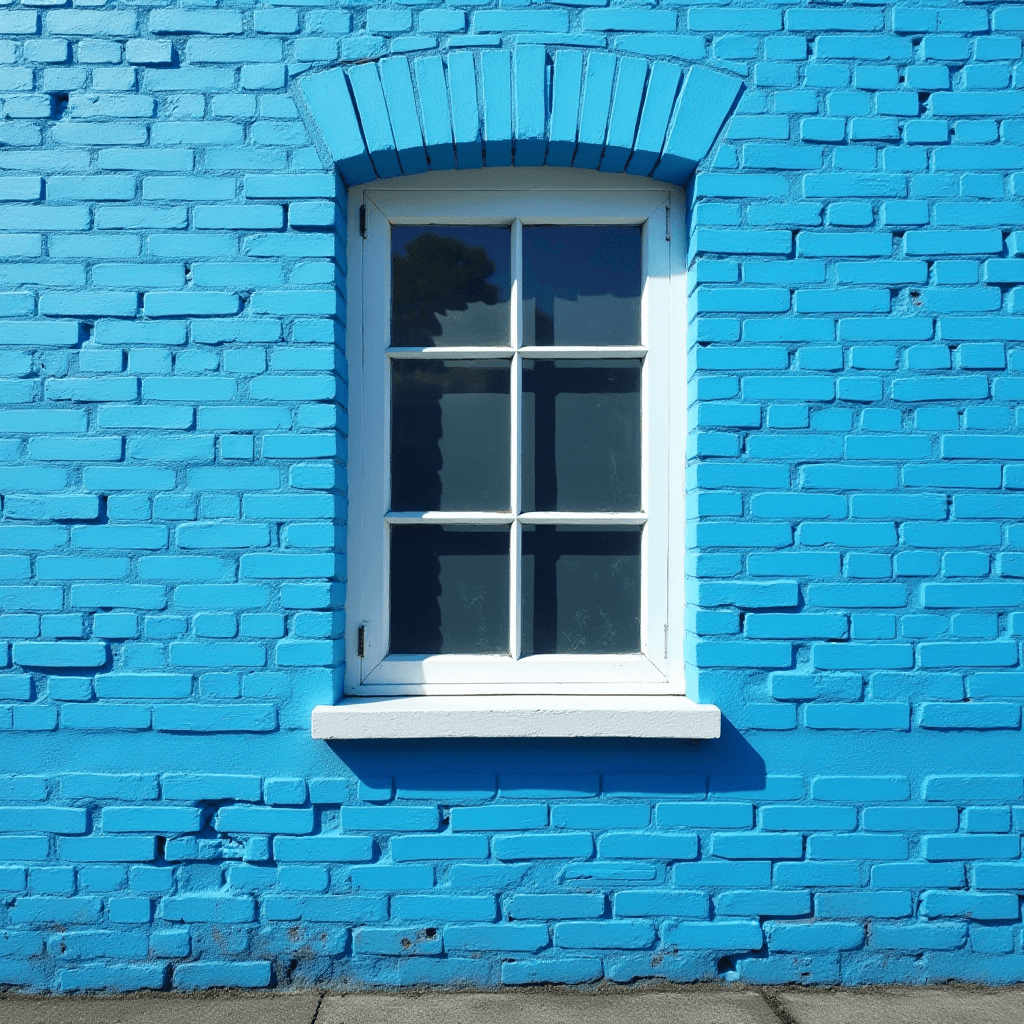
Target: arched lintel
502 108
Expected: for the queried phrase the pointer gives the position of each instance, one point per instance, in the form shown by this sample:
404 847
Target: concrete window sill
513 716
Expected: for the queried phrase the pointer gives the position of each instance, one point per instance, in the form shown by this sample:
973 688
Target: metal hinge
361 641
362 221
668 224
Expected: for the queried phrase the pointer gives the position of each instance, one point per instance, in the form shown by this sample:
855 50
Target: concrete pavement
662 1004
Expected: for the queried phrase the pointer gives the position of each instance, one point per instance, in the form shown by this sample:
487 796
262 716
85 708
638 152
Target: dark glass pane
449 590
450 436
450 285
581 285
581 590
581 435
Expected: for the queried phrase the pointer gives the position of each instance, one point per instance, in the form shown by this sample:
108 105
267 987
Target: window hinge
361 641
668 224
362 224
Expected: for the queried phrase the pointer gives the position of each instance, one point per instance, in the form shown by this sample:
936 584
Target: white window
517 382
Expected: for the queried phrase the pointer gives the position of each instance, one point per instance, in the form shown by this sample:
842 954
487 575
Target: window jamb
369 264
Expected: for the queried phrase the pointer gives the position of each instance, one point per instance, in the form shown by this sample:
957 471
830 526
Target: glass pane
581 590
449 590
581 285
450 285
450 436
581 435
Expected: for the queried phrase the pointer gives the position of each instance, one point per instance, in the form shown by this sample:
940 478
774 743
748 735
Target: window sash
370 467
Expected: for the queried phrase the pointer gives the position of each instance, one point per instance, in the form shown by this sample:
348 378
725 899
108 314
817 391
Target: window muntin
562 554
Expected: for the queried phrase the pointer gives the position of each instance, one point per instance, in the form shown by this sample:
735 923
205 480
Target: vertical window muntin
384 672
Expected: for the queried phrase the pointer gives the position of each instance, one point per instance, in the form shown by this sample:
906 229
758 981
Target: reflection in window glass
450 285
450 436
581 590
581 285
581 435
449 590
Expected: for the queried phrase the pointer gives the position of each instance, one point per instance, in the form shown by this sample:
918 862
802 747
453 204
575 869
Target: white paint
517 196
393 718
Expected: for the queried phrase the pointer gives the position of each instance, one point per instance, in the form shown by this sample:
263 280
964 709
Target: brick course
172 471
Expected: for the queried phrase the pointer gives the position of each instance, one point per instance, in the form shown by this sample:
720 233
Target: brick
757 902
212 907
715 935
264 819
976 906
918 937
815 937
756 846
658 846
554 906
150 819
109 787
104 849
390 819
604 934
653 903
322 848
525 938
570 845
560 971
499 818
860 788
439 847
397 941
969 847
62 910
222 974
450 908
62 820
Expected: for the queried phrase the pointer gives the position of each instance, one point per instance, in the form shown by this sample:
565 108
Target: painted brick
264 819
717 935
540 847
555 906
604 934
852 587
815 937
512 938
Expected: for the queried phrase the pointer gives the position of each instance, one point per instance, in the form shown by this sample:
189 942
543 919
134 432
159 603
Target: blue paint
496 86
374 119
565 103
530 78
172 433
625 114
594 111
436 116
401 103
659 98
462 83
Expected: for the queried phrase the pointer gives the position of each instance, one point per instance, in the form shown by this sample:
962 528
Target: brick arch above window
501 108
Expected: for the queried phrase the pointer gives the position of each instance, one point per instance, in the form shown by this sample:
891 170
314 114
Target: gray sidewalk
683 1004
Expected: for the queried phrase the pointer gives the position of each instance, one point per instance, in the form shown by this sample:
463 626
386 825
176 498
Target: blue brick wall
172 442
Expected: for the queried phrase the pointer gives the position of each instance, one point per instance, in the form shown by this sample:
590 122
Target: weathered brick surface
172 469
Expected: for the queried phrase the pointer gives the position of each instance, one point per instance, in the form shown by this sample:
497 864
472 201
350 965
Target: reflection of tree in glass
436 276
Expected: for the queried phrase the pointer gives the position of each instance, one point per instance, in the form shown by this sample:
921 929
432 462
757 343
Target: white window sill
628 715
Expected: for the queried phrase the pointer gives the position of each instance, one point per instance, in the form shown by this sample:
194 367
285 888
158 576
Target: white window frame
515 197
